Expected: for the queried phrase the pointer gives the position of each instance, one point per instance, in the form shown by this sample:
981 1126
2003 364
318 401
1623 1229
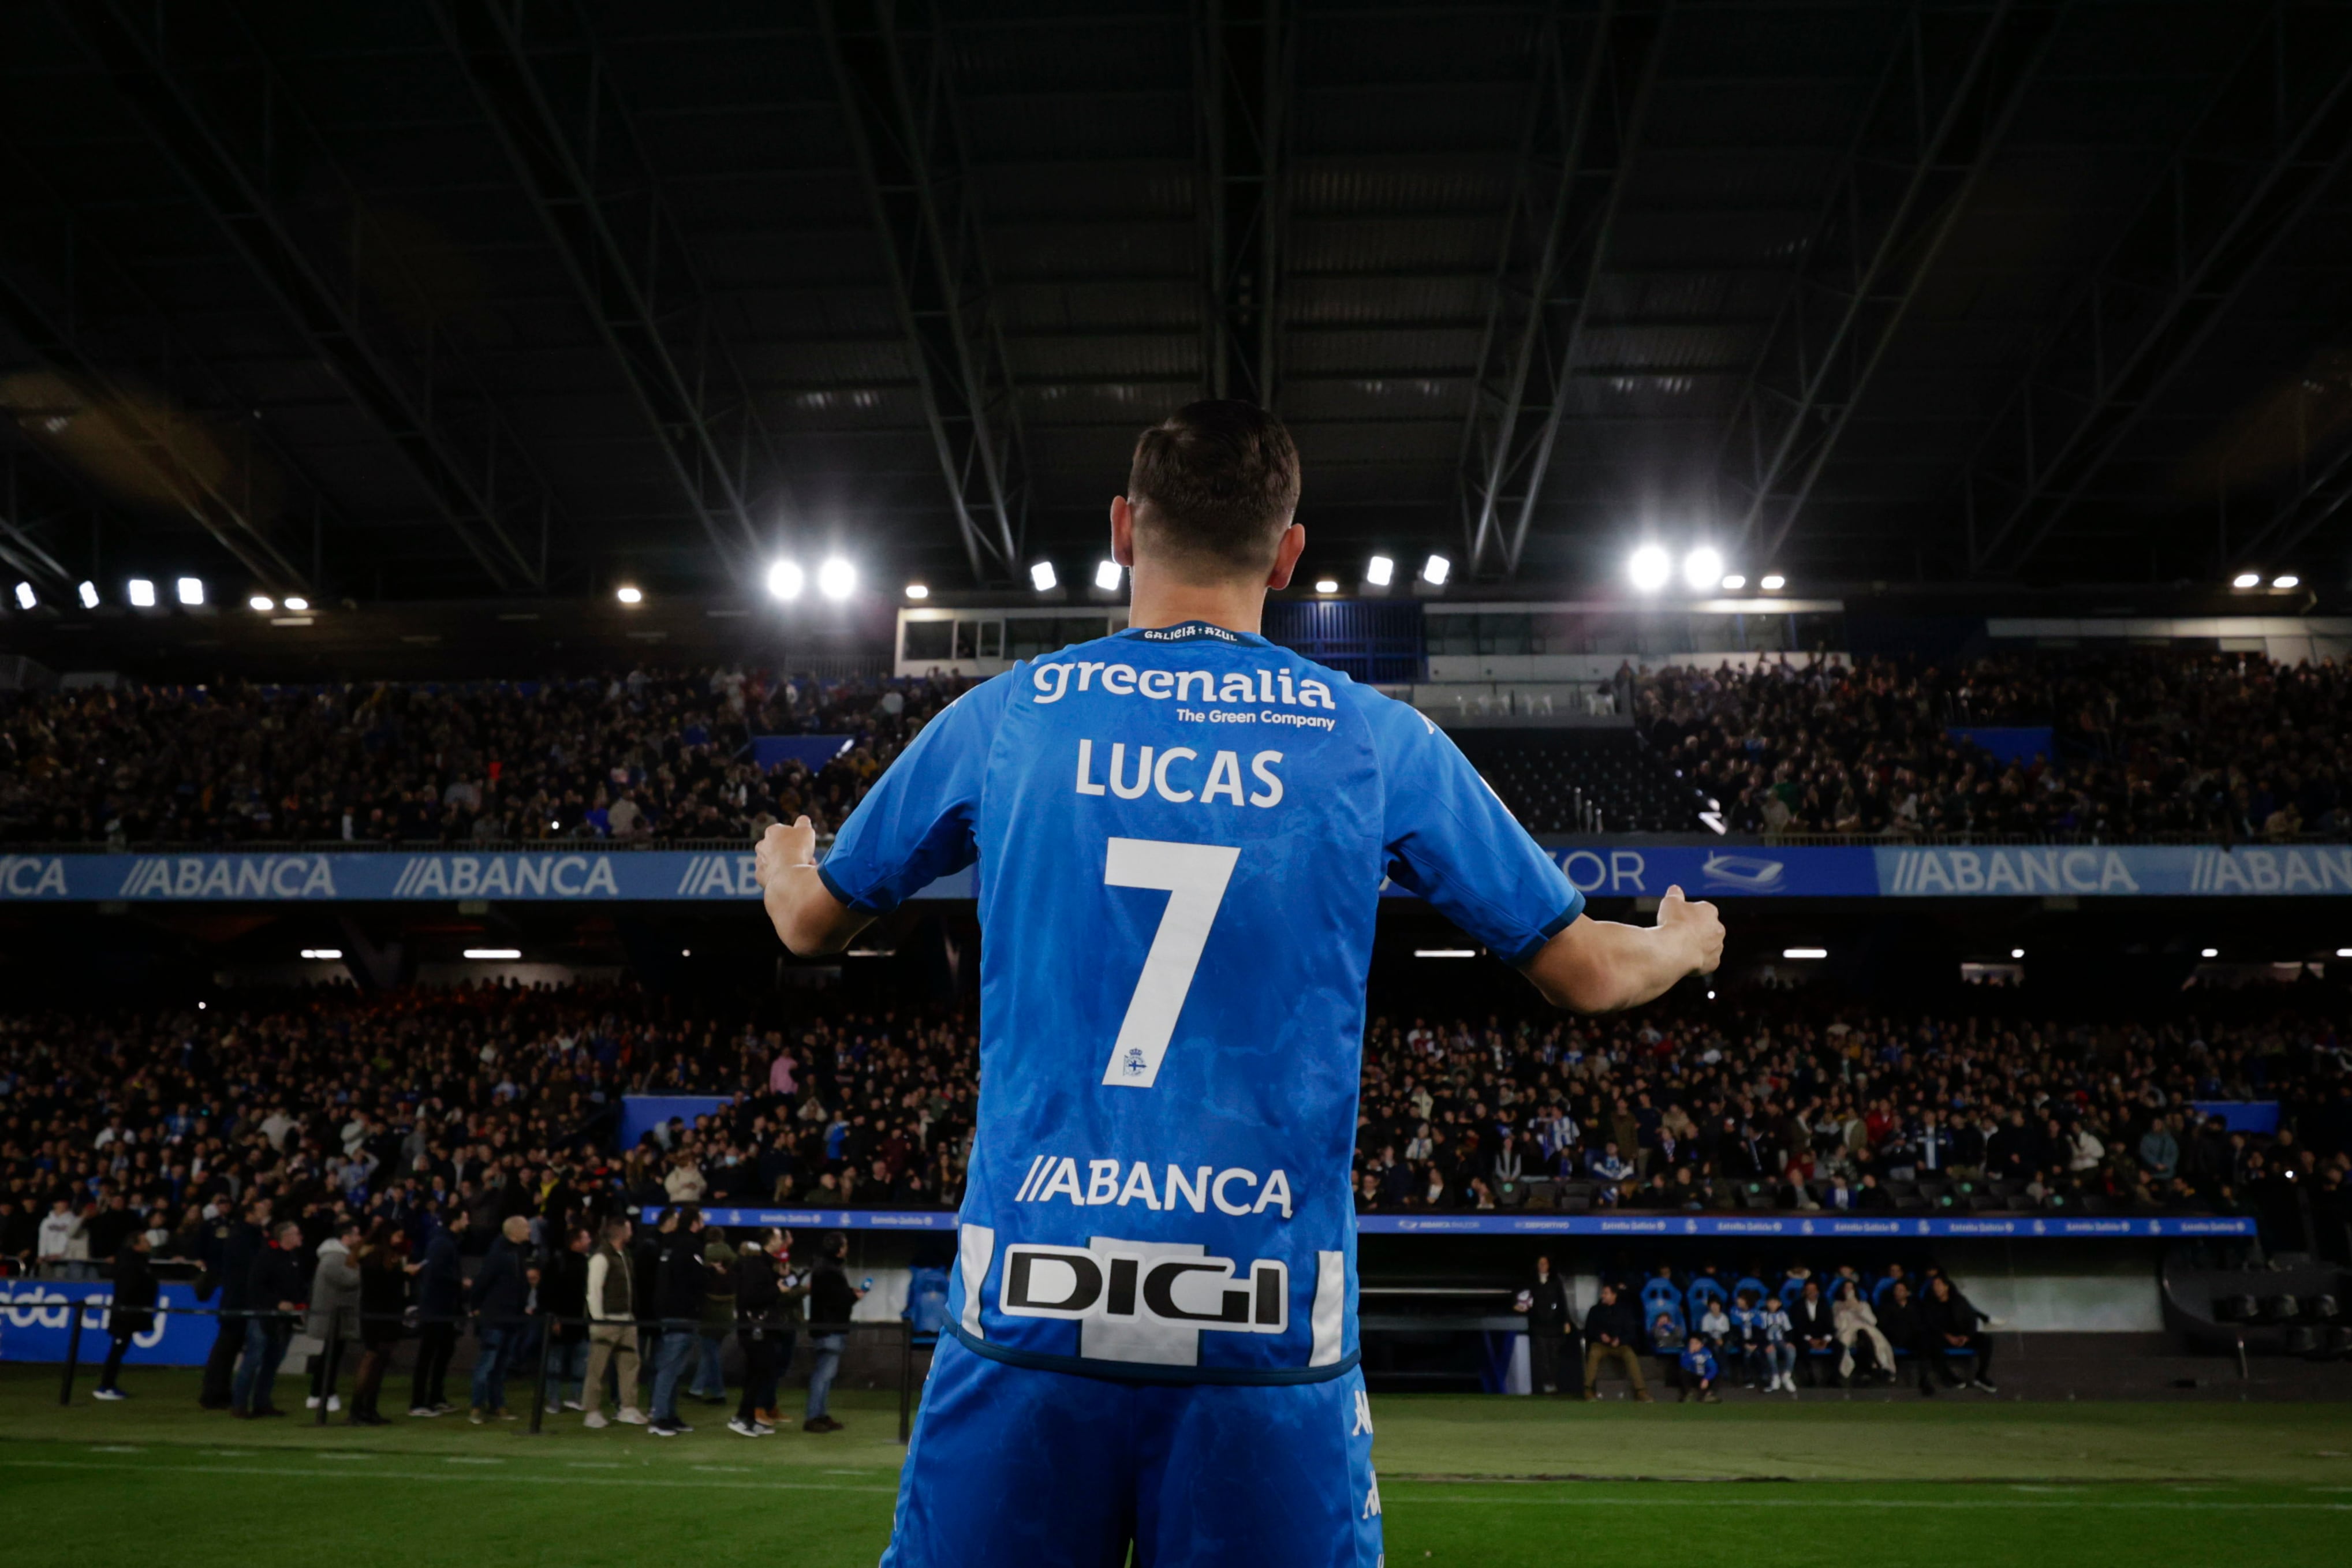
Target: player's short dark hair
1220 480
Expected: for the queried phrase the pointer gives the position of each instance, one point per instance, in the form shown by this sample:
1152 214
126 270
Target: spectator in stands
563 1299
759 1322
1698 1371
65 1241
1949 1323
717 1321
1812 1327
1858 1323
832 1299
1899 1319
275 1292
131 1313
1713 1324
1611 1331
384 1270
612 1331
1545 1302
1778 1349
440 1305
680 1277
334 1309
228 1249
499 1296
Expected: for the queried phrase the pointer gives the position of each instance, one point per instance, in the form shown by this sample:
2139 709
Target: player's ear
1286 557
1122 531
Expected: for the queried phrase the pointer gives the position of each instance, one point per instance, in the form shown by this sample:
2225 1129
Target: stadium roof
467 298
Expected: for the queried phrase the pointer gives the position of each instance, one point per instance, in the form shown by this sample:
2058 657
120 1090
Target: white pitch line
1399 1494
711 1484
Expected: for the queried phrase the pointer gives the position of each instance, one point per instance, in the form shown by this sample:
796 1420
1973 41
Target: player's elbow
1577 988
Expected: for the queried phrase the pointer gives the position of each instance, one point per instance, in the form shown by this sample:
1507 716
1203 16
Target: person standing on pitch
131 1314
1545 1301
1182 832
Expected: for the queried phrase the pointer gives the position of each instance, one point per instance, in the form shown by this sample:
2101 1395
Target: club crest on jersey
1134 1064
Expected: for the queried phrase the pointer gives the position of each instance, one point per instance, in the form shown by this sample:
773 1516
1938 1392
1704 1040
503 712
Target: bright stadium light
785 579
1435 570
89 595
2344 952
191 590
630 593
493 954
2209 953
322 954
262 602
1042 578
141 592
1773 582
1734 583
296 603
1649 568
1380 571
2017 953
836 578
2286 580
1804 953
2247 580
1445 952
918 591
26 598
1326 584
1703 568
1106 576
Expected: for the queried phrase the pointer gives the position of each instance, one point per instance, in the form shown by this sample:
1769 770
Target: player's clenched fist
1696 924
781 848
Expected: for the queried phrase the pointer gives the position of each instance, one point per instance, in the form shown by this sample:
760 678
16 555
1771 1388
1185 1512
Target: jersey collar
1194 631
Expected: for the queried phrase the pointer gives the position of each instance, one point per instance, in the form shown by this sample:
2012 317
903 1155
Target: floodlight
1649 568
630 594
1773 582
1703 568
142 593
1042 578
89 595
1107 575
191 590
918 591
836 578
263 602
2247 580
1380 571
1435 570
785 579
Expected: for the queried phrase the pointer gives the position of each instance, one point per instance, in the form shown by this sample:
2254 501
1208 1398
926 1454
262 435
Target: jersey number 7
1194 875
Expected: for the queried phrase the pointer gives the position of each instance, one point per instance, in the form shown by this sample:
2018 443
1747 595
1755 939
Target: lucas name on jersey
1156 772
1234 1191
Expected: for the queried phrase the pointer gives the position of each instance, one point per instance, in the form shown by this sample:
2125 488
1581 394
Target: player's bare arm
809 918
1604 966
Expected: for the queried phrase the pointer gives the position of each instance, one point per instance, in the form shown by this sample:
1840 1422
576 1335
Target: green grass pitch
1492 1482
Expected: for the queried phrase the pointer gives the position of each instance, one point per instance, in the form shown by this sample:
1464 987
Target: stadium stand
2167 744
649 754
505 1101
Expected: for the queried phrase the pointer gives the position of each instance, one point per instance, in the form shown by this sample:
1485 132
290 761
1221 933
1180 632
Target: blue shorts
1013 1468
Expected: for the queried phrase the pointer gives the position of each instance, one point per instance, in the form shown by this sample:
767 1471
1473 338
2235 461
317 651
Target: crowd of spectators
2153 744
650 754
1776 1102
317 1149
1764 1329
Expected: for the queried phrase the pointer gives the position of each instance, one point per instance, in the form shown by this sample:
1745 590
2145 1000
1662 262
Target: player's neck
1157 600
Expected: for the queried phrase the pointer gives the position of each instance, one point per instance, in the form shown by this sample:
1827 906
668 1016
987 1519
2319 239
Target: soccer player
1181 833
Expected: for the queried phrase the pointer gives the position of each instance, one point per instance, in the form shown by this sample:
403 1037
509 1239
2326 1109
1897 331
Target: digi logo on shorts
1147 1301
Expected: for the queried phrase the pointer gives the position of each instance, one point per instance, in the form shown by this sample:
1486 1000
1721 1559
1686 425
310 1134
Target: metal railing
339 1319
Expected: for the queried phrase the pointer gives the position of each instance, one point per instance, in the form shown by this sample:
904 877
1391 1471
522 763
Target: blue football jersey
1181 833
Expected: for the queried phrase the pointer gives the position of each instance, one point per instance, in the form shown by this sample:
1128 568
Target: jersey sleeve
1449 839
915 824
